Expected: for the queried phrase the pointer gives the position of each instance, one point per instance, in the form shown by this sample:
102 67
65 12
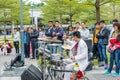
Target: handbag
109 50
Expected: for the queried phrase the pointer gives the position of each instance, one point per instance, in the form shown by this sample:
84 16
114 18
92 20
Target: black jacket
104 35
34 35
47 33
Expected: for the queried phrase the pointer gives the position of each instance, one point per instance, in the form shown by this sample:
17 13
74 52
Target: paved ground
95 74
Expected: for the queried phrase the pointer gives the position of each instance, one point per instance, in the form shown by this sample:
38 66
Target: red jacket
114 44
10 50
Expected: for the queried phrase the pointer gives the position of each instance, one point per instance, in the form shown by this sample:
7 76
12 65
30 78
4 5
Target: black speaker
89 45
31 73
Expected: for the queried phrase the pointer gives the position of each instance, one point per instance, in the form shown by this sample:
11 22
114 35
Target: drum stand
43 58
43 61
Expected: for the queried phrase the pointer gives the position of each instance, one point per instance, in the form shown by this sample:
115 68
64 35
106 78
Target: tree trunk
17 23
70 19
61 19
4 30
114 13
97 6
12 29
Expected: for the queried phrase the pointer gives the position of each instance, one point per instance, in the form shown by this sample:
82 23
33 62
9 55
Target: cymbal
49 39
53 44
67 47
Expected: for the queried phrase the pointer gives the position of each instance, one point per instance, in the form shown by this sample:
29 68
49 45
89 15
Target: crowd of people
75 37
103 37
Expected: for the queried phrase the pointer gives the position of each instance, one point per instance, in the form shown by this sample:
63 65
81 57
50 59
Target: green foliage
56 9
12 10
79 10
39 5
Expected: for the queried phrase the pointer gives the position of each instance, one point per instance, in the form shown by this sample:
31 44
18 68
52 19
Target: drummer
79 55
58 34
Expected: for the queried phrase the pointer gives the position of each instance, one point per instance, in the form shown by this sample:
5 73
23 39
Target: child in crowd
41 34
6 48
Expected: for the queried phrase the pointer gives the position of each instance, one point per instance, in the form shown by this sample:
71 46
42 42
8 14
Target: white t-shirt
16 36
84 33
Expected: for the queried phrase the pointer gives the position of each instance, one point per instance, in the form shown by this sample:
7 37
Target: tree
88 11
10 11
56 9
97 4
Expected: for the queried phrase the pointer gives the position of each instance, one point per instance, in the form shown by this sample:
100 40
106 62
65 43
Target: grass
96 60
8 38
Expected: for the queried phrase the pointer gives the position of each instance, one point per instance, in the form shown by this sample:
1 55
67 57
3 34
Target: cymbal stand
43 61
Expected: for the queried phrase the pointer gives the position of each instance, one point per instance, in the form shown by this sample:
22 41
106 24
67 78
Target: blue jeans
112 60
102 51
53 49
117 60
39 44
59 48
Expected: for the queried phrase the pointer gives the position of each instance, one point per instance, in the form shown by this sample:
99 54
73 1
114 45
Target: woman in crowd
16 40
115 54
70 30
30 45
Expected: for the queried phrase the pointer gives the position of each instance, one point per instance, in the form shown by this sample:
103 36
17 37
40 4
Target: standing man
102 42
95 42
26 43
33 36
48 32
77 26
16 40
84 31
58 34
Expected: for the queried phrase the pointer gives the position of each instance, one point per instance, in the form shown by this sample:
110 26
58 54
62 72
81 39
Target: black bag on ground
17 61
89 67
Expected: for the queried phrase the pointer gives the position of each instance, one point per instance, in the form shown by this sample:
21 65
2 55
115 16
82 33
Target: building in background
35 15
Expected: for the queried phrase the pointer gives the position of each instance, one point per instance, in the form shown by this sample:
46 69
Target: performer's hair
77 34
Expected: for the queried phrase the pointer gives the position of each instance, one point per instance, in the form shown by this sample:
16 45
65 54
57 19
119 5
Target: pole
32 15
21 30
5 25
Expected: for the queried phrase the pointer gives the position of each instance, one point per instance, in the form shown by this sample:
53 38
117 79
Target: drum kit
57 70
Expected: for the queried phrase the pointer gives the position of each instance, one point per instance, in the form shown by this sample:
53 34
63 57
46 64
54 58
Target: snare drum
56 62
56 56
56 59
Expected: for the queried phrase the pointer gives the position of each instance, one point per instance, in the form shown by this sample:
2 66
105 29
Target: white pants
69 66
